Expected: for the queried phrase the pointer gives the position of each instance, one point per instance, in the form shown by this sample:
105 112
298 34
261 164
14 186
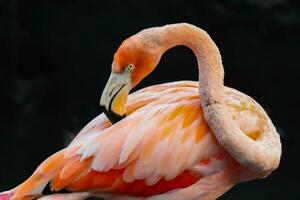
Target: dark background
55 59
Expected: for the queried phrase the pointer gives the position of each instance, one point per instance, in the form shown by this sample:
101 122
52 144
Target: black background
56 55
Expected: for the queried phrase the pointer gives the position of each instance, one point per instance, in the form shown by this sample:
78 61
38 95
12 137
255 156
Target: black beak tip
113 117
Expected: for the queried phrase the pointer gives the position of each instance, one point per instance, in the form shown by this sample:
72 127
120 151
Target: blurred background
56 56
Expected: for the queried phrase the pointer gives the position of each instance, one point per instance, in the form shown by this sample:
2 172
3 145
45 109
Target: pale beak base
114 97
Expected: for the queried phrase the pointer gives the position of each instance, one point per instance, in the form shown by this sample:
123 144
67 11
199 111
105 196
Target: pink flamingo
179 141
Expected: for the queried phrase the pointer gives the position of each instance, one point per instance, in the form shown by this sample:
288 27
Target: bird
182 140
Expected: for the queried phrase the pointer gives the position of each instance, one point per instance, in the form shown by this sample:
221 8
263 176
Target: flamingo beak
114 96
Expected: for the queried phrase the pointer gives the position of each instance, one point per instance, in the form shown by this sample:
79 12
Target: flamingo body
180 140
175 149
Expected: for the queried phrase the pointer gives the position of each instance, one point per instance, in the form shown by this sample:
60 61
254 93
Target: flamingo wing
163 144
163 137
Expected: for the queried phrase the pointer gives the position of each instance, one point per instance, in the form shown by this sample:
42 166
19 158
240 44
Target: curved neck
211 72
260 156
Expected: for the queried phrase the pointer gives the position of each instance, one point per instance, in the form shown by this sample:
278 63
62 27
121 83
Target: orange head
139 54
136 58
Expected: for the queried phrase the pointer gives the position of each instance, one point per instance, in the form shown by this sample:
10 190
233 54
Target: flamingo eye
129 68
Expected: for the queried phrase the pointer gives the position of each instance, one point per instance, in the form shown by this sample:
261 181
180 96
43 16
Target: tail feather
34 186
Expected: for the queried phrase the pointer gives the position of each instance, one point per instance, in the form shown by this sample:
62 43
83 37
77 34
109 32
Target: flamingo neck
207 54
260 156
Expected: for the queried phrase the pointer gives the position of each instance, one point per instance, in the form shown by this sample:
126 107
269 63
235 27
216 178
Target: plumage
165 148
175 146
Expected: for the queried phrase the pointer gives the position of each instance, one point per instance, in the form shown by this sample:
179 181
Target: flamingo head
135 59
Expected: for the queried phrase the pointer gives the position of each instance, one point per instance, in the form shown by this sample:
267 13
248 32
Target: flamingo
182 140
